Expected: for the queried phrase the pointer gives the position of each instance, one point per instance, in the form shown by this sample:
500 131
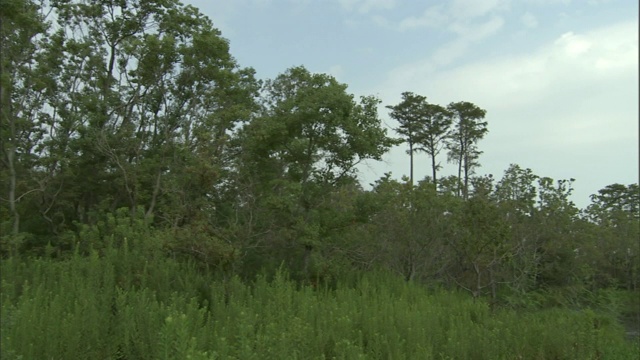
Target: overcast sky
558 78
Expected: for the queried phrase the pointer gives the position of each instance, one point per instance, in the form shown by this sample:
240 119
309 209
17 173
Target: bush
120 304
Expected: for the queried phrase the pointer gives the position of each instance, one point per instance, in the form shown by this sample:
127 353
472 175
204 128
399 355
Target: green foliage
143 172
122 304
517 191
615 211
424 126
312 130
122 104
468 130
297 155
409 229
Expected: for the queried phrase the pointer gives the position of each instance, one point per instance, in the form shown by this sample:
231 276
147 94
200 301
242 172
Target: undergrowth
123 304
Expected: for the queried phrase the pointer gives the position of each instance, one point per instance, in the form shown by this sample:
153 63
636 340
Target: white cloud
460 14
572 60
555 107
467 31
467 35
573 45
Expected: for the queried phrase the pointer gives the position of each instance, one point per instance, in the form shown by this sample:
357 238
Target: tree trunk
411 165
433 170
478 290
494 288
12 185
154 196
465 188
459 171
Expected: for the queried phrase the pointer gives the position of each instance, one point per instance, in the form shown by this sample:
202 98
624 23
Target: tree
615 209
615 203
307 142
409 114
516 192
424 126
463 150
159 115
22 88
435 131
556 237
118 104
481 247
408 228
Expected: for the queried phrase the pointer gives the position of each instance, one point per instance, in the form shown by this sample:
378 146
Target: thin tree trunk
459 171
12 182
478 290
465 189
154 196
494 289
433 169
411 165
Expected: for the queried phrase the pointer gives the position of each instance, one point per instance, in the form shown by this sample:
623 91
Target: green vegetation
158 201
130 304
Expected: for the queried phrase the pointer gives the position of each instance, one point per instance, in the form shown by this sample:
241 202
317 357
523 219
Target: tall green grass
124 304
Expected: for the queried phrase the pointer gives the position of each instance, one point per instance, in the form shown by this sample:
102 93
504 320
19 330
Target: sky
558 78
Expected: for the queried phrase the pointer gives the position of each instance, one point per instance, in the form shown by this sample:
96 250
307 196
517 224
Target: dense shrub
121 304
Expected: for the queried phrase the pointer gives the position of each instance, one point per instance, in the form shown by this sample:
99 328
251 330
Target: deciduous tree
308 141
23 84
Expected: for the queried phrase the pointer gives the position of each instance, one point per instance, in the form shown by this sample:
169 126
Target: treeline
136 111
